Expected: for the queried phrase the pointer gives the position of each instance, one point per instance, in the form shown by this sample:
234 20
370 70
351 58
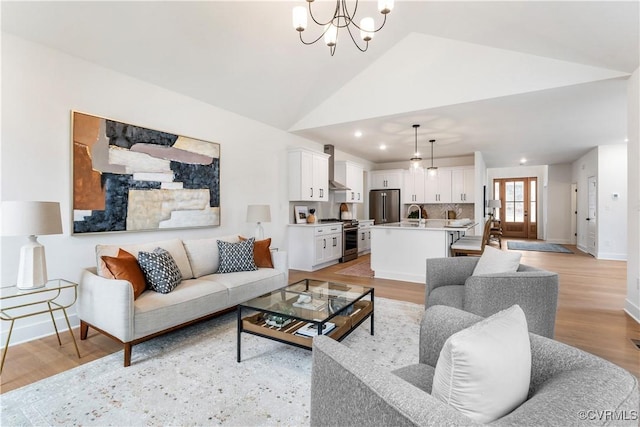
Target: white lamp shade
367 29
385 6
300 18
258 213
494 204
30 218
331 35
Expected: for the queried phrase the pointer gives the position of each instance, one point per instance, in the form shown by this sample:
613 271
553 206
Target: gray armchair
566 383
450 282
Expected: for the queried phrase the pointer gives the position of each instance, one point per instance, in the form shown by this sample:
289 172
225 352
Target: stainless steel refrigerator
384 206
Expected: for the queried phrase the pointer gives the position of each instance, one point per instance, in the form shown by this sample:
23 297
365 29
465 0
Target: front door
519 212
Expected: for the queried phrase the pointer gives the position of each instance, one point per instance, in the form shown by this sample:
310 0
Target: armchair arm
106 304
448 271
438 324
536 291
347 390
281 263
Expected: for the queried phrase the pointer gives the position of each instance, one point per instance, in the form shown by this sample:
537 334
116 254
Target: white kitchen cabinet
308 176
438 186
314 246
384 179
414 186
462 185
364 236
350 174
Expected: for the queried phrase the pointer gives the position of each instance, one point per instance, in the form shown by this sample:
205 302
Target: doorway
519 212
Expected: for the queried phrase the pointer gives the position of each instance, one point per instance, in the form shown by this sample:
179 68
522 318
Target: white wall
582 169
41 86
558 229
632 305
612 211
540 172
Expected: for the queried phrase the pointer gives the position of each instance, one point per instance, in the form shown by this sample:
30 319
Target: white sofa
107 305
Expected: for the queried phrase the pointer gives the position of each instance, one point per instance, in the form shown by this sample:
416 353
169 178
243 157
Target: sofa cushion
174 246
484 371
190 300
203 254
494 261
261 252
125 267
160 270
236 256
244 285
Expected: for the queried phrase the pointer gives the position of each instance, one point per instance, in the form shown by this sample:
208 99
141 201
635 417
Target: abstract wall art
130 178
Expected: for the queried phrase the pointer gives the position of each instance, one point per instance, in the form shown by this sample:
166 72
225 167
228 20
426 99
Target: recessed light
358 134
626 140
523 161
383 147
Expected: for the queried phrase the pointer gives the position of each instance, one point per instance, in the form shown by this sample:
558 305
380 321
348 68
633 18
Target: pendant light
432 170
416 160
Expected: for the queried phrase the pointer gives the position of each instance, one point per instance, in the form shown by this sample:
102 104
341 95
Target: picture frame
128 178
301 213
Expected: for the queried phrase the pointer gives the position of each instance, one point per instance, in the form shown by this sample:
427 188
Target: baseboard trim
612 256
379 274
632 310
559 241
39 328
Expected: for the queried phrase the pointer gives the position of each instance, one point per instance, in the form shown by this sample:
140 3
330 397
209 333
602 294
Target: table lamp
31 219
494 204
258 214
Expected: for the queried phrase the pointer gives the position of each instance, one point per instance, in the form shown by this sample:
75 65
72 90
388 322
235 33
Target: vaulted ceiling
541 80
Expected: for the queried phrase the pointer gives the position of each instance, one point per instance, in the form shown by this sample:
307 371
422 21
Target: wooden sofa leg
84 329
127 354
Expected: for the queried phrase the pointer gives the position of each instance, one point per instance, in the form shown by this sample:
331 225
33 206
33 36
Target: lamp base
259 234
32 270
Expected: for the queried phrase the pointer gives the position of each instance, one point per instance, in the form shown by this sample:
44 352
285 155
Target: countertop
316 224
431 224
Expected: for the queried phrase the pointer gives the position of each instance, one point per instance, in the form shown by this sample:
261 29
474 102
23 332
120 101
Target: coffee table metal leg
239 330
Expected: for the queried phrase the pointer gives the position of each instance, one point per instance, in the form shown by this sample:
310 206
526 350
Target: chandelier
416 159
342 18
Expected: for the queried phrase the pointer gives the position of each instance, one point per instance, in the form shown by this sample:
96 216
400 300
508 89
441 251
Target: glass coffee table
298 312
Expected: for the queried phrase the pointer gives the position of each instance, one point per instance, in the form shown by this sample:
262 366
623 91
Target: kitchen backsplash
439 211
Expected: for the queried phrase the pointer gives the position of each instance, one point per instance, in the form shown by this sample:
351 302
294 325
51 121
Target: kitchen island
399 250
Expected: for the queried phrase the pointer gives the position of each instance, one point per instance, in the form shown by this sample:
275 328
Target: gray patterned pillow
236 256
160 270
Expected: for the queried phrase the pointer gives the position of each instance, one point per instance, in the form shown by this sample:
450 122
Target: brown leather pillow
125 267
261 252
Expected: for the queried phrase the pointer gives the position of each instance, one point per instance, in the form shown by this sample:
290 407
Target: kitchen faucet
419 211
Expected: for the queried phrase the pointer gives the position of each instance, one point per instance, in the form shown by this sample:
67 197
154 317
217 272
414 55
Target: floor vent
636 343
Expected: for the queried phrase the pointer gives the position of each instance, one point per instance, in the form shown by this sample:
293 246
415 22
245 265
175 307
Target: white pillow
495 261
203 254
484 371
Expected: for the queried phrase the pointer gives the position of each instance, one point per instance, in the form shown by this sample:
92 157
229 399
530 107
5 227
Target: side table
18 303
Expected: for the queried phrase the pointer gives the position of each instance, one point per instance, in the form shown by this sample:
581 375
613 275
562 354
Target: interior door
592 223
519 212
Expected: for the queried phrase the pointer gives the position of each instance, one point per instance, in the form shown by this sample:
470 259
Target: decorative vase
311 218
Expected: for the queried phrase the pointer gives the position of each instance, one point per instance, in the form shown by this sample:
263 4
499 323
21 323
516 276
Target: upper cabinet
350 174
308 176
414 185
450 185
462 185
386 179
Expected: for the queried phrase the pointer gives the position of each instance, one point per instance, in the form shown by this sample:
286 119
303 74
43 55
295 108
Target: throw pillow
160 270
236 256
261 252
494 261
484 371
125 267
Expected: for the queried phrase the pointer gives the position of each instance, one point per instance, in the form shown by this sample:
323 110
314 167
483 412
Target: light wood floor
590 317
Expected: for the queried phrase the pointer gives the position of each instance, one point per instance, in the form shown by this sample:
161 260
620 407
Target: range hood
333 185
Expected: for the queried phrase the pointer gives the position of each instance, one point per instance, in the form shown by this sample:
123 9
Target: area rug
361 269
191 377
538 246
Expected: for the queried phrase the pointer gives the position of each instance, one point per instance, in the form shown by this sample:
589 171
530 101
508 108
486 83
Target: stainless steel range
349 238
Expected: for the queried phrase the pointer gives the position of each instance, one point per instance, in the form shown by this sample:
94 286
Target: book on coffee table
311 329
